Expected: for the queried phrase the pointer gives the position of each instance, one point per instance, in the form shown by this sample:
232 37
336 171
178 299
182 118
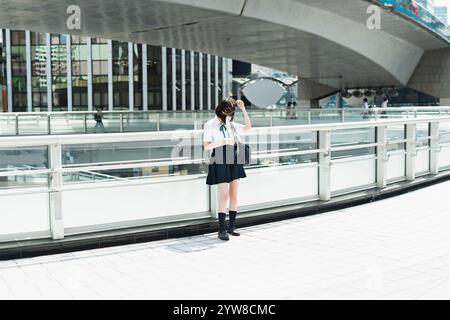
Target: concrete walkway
397 248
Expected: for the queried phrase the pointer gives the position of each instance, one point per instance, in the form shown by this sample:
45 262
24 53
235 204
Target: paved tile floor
397 248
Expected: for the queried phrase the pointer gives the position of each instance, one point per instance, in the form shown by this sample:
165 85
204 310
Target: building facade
55 72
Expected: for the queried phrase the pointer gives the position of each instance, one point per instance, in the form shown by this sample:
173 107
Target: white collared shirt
211 130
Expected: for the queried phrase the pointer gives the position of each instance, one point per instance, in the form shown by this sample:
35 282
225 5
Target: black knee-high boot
222 227
231 226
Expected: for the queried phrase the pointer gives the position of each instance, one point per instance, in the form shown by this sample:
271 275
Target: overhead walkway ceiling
325 41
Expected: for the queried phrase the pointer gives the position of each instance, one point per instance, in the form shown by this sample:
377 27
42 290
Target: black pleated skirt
223 166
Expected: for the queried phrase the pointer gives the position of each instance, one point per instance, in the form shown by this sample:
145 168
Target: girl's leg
223 189
234 186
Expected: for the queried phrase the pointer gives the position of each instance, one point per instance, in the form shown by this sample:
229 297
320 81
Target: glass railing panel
422 134
289 118
139 122
122 174
444 132
104 153
70 123
285 149
325 116
352 137
170 121
24 181
7 124
396 132
14 161
30 124
23 158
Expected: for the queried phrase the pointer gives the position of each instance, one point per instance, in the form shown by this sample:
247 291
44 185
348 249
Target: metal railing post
121 123
16 119
55 164
158 121
434 147
85 123
410 152
309 116
195 120
324 165
382 156
49 123
342 115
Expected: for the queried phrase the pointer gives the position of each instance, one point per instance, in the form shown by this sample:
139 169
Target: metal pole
16 118
324 165
85 123
195 120
158 121
121 122
48 123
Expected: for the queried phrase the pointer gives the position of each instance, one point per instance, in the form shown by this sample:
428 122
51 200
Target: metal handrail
168 135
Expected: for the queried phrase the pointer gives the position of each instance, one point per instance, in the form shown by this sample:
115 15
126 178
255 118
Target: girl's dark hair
226 108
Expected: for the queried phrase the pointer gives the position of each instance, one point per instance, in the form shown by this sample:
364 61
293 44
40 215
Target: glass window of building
100 73
178 78
205 81
154 77
19 71
59 72
137 76
220 78
212 83
79 73
196 81
39 71
169 79
188 78
3 91
120 75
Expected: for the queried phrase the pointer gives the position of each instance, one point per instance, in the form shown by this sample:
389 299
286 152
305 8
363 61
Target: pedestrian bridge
60 189
326 42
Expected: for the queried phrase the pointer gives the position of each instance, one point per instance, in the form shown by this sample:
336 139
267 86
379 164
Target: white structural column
29 85
192 82
230 76
224 78
434 147
183 79
110 77
381 157
174 79
411 152
56 218
144 78
324 165
48 50
130 77
8 70
200 81
208 81
89 73
69 72
216 80
164 78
